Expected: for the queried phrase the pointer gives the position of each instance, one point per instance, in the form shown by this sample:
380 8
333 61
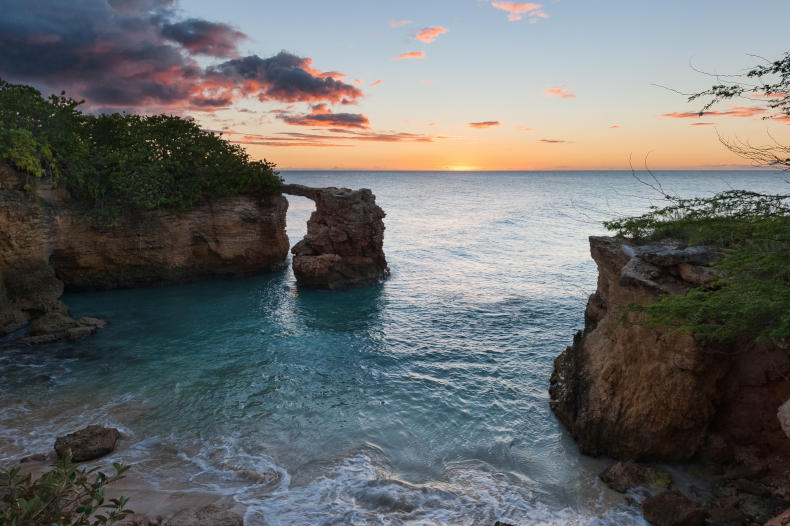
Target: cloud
410 54
734 111
522 128
483 124
335 137
553 141
201 37
376 83
135 53
614 126
399 23
517 10
323 116
702 124
429 34
558 91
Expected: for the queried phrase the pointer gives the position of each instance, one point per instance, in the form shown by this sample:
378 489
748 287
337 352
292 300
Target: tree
768 83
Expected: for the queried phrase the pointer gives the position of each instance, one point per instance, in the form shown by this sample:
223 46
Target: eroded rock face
344 242
636 392
46 245
88 443
228 237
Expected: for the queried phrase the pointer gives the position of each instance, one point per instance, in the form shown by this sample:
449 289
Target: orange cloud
516 10
614 127
410 54
429 34
701 124
558 91
399 23
376 83
734 111
553 141
522 128
483 124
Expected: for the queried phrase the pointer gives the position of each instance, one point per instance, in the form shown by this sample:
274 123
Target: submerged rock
622 476
344 242
87 444
671 508
210 515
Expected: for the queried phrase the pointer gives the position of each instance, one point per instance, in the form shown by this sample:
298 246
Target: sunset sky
414 85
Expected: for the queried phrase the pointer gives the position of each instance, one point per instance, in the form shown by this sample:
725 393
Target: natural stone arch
345 238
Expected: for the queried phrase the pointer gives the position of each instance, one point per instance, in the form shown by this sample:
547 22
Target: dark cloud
284 77
202 37
552 141
483 125
135 53
322 116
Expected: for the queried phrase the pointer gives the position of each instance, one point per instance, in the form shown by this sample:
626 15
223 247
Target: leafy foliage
64 495
752 296
120 164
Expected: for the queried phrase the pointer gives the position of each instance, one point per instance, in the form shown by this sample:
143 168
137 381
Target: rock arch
345 238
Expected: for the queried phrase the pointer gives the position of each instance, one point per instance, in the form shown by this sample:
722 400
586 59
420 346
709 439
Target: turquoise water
422 400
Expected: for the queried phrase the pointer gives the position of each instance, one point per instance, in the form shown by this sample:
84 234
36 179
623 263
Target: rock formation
47 245
87 444
630 391
636 392
344 242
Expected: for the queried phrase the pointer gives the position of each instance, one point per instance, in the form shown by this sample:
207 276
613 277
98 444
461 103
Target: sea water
421 400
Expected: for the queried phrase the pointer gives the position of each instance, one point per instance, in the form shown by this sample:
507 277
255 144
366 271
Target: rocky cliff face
344 242
228 237
636 392
45 246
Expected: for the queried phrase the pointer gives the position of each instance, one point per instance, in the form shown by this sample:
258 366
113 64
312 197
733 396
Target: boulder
87 444
671 508
622 476
210 515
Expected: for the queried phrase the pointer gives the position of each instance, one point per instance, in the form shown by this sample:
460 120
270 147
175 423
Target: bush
64 495
119 164
752 296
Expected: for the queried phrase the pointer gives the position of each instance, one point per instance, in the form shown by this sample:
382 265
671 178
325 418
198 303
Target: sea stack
344 242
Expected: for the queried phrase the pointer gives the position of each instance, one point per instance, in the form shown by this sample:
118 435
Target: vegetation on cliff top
114 164
752 296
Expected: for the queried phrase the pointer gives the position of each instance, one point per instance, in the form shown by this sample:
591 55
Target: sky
416 85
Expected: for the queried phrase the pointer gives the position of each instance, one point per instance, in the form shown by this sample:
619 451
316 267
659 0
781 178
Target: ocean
419 401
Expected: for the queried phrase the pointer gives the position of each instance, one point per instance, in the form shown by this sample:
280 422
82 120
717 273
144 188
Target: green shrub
752 297
119 164
64 495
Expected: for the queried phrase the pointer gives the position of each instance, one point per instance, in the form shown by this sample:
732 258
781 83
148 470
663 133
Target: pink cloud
614 127
483 125
522 128
410 55
734 111
517 10
376 83
399 23
701 124
558 91
429 34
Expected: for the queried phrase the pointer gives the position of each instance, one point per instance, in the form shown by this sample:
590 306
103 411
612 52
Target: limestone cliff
345 236
635 392
46 245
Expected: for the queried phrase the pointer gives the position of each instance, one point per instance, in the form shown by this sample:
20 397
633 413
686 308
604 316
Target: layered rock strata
344 242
